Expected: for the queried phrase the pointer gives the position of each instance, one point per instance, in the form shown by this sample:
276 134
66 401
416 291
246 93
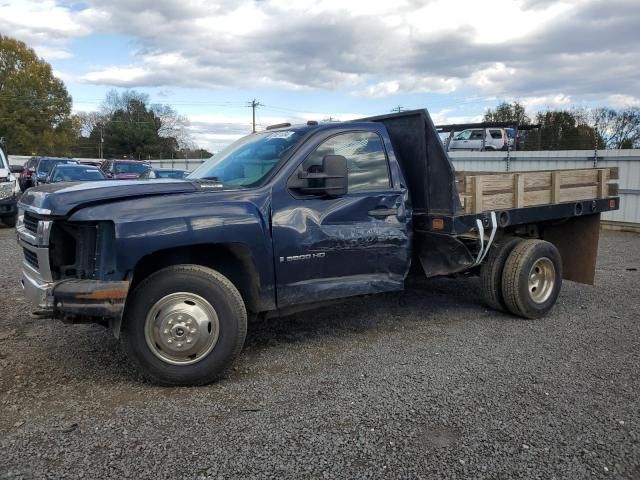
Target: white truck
9 190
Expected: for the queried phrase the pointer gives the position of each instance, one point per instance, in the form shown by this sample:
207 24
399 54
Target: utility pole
101 142
398 109
254 104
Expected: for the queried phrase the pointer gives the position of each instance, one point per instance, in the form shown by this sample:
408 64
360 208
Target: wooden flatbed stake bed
486 191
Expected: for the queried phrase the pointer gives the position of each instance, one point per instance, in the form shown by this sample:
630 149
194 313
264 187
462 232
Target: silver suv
471 139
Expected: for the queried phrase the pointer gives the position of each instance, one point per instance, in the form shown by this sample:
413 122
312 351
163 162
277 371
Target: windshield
66 174
249 160
46 165
130 167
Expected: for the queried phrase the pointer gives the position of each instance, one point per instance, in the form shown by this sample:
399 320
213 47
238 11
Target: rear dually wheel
532 278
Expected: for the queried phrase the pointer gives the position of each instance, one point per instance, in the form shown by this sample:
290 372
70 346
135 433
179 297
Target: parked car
286 219
26 178
95 163
75 173
471 139
124 169
164 173
43 167
9 190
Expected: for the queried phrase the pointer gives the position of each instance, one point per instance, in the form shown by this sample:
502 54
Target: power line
398 109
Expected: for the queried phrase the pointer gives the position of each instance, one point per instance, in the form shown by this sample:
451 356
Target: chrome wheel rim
542 279
181 328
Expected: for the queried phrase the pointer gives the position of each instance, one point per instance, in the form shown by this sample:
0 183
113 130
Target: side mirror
331 180
16 168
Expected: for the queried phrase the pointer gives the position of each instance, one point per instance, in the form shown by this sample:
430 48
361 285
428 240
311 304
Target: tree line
36 118
573 129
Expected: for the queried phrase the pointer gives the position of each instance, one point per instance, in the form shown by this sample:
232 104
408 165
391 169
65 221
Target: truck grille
31 223
31 258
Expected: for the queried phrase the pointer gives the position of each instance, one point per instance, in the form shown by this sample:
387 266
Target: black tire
519 295
491 272
10 221
202 282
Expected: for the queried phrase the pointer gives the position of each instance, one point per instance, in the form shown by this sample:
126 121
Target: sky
341 59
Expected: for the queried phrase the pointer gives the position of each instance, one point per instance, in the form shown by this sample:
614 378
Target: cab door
358 243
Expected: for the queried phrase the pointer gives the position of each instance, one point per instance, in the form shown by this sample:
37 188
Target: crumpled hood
58 199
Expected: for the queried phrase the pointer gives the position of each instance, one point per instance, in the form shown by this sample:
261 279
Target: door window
366 160
465 135
476 135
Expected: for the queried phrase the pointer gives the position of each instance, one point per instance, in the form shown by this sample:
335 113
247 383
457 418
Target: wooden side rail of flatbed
486 191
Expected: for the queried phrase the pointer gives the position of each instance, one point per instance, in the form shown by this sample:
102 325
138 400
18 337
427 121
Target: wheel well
233 260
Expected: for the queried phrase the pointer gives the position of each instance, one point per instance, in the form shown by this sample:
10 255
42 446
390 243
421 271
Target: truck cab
280 221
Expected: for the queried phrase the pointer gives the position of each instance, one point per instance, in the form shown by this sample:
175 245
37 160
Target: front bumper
76 300
37 291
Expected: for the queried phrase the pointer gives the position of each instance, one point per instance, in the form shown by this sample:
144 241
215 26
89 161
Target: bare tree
173 125
618 129
90 120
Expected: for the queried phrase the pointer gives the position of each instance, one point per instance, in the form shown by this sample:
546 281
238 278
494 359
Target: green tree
132 127
508 112
562 130
34 105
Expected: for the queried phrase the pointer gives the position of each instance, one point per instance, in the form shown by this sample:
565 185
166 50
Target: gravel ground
423 384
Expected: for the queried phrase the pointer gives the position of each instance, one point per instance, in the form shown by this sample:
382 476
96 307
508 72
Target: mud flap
577 240
442 254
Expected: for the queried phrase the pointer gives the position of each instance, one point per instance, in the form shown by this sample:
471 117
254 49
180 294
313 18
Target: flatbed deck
488 191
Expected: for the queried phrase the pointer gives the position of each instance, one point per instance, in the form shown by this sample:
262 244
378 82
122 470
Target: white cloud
551 101
118 76
535 48
623 101
547 51
52 53
46 26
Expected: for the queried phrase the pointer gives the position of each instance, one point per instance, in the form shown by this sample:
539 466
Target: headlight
44 230
20 220
6 190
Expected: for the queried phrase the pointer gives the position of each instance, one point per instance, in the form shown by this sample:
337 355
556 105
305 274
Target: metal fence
628 162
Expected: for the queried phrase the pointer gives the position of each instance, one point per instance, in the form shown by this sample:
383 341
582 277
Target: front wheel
11 220
184 325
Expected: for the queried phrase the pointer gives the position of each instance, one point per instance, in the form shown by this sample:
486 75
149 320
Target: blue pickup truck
284 220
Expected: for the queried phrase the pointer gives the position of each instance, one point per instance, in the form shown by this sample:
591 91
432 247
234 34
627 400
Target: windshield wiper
215 179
